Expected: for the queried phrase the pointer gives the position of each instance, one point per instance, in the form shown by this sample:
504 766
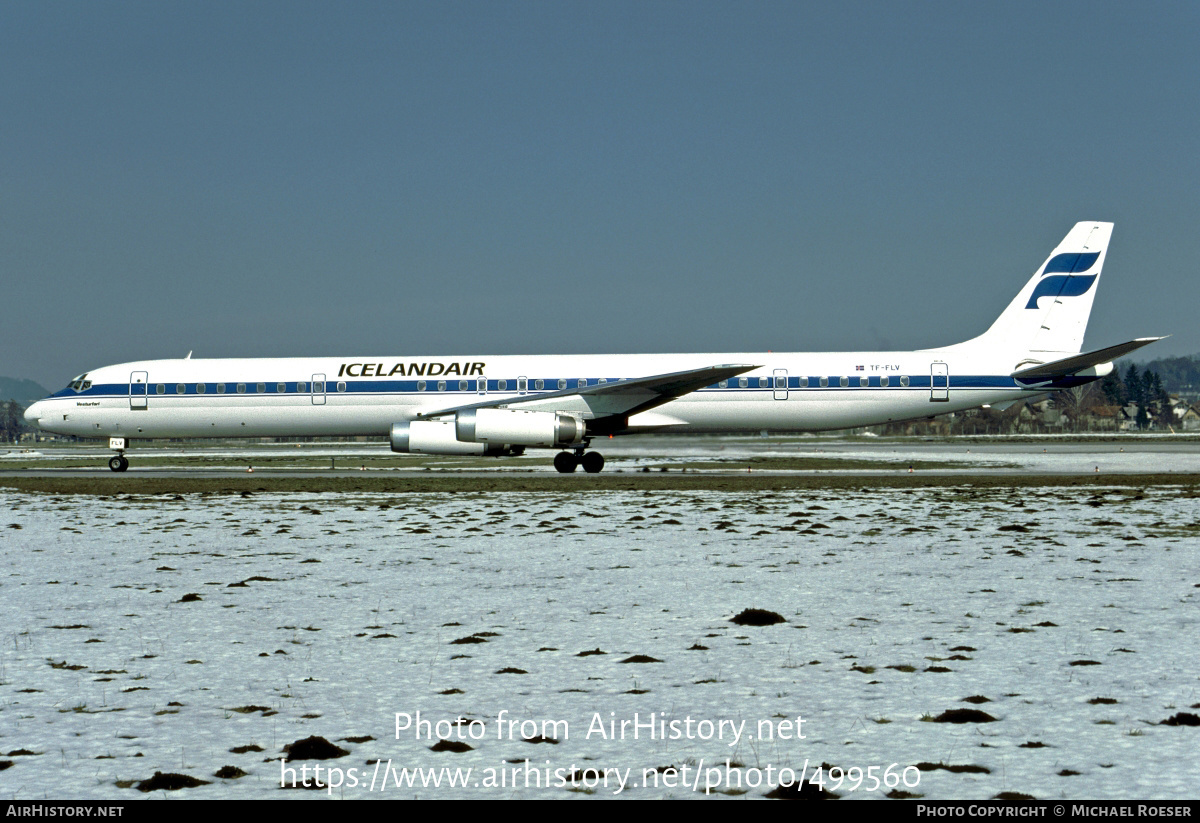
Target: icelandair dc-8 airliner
478 405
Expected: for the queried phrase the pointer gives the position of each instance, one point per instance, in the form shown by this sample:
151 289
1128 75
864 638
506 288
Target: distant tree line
1143 387
12 421
1179 374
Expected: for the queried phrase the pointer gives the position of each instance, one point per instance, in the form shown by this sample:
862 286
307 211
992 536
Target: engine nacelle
519 427
437 437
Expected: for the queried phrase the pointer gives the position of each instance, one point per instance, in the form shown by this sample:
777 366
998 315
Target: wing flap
623 397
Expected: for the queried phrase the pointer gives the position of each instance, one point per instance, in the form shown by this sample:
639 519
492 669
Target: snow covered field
159 634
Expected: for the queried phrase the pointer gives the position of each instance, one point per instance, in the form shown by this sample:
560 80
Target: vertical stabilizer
1050 314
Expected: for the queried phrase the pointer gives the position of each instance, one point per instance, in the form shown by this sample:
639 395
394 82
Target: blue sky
272 179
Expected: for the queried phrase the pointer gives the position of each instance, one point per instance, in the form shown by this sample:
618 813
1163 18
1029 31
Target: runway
681 463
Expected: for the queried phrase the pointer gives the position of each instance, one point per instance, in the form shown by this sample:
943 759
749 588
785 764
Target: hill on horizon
1178 374
24 392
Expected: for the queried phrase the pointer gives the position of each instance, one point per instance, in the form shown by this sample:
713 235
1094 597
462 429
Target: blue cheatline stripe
407 387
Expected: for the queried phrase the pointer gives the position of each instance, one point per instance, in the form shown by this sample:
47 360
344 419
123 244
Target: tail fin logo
1070 284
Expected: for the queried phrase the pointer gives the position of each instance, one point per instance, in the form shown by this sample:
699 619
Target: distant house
1190 419
1129 417
1105 418
1051 416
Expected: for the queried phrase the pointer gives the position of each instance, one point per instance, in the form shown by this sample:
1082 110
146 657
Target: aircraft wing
1079 362
619 399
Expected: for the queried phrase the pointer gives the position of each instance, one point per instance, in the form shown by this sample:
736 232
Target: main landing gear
567 462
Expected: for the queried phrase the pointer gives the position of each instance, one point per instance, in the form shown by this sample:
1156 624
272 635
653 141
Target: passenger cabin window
160 389
539 384
763 382
420 385
281 387
602 380
864 381
562 384
241 388
844 381
220 388
724 384
884 382
501 385
462 385
743 382
804 382
824 382
318 388
180 388
341 385
904 380
582 383
200 388
301 387
260 388
441 385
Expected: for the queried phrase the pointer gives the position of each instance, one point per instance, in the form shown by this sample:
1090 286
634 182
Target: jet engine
437 437
519 427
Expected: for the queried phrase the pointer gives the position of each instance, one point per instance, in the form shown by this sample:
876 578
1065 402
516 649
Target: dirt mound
170 782
313 748
964 716
757 617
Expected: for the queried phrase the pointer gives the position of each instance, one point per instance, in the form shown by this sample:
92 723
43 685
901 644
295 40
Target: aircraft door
781 384
318 389
138 389
939 383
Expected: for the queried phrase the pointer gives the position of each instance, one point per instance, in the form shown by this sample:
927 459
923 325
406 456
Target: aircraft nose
33 414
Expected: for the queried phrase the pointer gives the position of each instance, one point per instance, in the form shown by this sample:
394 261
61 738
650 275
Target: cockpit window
81 383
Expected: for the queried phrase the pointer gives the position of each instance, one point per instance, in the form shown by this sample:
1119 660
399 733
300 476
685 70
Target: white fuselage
493 405
366 395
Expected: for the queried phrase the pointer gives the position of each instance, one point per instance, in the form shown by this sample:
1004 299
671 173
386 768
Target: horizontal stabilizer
1079 362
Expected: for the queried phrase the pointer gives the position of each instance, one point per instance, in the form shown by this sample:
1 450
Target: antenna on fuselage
189 356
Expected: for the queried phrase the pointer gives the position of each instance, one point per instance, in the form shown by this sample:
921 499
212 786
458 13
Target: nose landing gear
118 462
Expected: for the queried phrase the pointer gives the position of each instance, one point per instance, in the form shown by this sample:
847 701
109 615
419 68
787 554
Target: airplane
471 405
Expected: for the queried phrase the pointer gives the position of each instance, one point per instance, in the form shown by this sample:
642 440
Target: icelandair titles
427 369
